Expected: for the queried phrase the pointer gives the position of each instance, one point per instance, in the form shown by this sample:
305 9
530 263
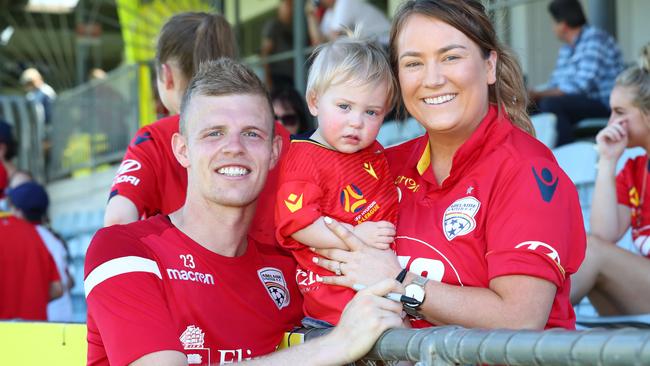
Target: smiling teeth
232 171
439 100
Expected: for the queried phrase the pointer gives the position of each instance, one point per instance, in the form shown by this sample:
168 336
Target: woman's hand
612 140
362 264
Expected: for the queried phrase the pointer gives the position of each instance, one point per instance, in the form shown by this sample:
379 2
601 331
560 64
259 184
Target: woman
490 228
611 276
290 109
150 181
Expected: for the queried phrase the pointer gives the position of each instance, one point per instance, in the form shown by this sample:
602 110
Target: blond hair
469 17
638 78
223 77
350 59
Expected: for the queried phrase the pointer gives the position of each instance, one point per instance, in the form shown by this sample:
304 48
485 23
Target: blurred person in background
38 91
584 74
29 201
277 37
616 280
29 278
291 110
8 150
342 14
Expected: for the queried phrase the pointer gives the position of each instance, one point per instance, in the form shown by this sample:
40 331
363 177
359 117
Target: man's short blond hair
350 60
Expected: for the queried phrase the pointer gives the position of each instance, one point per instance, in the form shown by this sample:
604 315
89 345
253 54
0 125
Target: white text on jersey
183 275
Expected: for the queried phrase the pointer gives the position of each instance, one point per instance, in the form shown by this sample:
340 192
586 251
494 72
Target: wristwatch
415 289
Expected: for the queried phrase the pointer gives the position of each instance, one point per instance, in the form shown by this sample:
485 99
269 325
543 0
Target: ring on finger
337 270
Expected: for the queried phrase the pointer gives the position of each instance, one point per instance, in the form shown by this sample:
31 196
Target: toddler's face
349 115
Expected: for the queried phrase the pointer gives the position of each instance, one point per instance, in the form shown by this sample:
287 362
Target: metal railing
93 123
450 345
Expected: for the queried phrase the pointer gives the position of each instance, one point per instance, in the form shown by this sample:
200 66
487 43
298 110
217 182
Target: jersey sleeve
298 197
124 292
534 224
624 182
136 178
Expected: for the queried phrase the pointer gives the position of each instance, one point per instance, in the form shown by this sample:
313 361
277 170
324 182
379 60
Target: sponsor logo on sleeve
458 219
294 202
127 166
543 248
276 286
633 194
369 169
546 183
352 199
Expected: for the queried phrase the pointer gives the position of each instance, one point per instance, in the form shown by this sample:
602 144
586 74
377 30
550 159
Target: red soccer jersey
151 177
149 288
506 209
631 191
351 188
26 271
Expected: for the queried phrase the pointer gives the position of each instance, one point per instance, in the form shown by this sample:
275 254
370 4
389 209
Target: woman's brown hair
470 18
194 37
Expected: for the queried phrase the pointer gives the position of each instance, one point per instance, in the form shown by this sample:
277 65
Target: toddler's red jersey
506 209
632 191
152 178
149 288
352 188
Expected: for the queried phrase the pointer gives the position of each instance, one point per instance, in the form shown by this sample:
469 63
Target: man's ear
276 148
179 146
312 103
167 76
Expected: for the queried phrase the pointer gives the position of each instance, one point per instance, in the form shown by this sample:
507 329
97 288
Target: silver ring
337 271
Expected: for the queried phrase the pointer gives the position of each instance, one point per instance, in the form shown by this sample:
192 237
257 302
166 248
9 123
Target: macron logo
183 275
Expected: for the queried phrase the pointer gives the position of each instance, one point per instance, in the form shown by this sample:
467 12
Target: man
29 201
28 276
191 287
584 74
8 150
38 91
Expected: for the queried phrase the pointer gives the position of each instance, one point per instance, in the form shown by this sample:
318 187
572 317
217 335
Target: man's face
228 148
559 30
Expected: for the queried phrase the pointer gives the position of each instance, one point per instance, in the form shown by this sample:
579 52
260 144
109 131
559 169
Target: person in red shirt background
490 228
615 279
339 170
29 278
150 180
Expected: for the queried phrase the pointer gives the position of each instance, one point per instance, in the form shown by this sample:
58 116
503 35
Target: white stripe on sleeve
119 266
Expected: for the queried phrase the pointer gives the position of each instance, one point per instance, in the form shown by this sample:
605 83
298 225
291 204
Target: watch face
415 291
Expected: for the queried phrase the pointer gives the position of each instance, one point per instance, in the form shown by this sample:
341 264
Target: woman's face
624 112
287 116
443 76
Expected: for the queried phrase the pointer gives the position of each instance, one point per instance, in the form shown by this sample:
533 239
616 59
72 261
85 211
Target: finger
382 287
390 305
344 234
330 265
334 254
335 280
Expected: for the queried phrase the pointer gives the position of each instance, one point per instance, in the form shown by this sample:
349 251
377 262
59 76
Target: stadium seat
544 124
614 322
589 127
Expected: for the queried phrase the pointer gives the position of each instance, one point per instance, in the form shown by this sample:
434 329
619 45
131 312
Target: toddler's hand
378 234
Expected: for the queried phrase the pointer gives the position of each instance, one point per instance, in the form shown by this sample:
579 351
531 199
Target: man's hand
364 319
378 234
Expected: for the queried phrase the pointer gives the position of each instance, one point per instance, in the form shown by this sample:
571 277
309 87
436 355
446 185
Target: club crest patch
458 219
273 280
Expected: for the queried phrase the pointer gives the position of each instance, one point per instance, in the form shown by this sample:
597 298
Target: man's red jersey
352 188
152 178
631 191
26 271
506 209
149 288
